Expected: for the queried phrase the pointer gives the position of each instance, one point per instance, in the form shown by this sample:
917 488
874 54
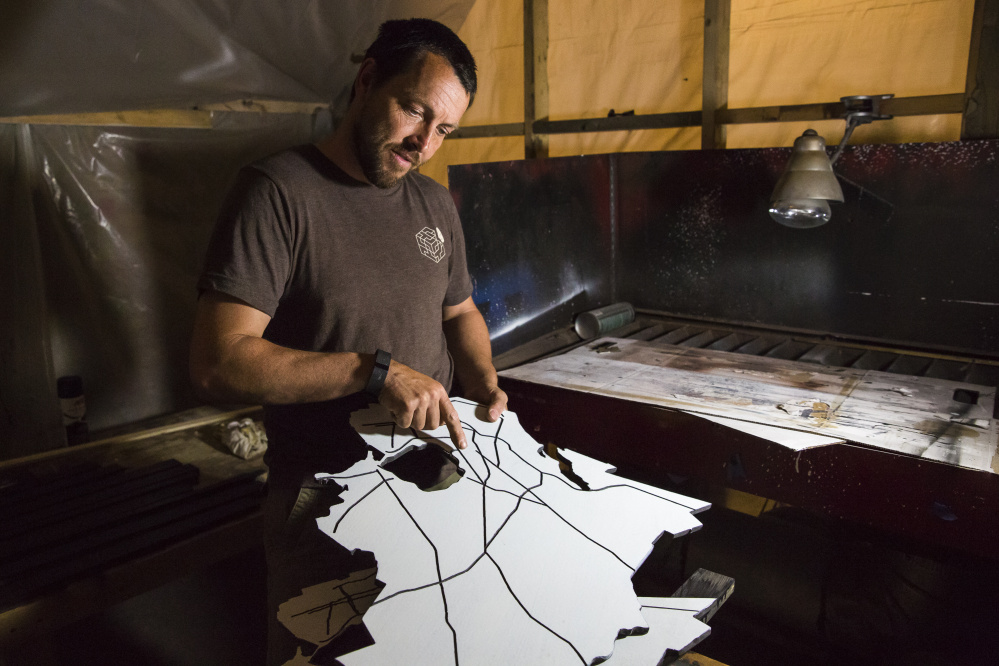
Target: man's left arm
468 342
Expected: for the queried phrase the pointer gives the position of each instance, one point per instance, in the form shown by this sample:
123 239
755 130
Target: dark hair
401 42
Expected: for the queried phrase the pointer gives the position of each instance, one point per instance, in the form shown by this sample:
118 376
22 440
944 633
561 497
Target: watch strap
378 373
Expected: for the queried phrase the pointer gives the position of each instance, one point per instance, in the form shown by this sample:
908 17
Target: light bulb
801 213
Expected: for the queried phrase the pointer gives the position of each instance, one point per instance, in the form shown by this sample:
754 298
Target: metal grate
791 346
795 347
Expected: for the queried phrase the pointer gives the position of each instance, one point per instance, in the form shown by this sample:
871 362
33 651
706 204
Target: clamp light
803 192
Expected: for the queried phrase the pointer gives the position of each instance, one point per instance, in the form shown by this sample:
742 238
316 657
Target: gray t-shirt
339 265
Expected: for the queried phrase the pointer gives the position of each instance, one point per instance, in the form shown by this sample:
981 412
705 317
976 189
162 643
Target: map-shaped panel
512 563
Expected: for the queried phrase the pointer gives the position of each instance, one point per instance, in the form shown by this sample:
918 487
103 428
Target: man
337 276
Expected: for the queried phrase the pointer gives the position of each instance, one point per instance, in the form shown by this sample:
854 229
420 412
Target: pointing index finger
453 423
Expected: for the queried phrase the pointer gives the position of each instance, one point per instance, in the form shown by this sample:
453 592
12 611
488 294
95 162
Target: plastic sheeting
29 414
124 218
58 56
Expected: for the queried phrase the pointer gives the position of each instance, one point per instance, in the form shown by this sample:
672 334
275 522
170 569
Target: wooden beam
174 118
200 417
199 117
782 114
896 106
486 131
703 583
981 92
925 105
619 123
265 106
535 76
714 84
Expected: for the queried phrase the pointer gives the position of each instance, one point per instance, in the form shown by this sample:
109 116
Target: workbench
936 488
190 439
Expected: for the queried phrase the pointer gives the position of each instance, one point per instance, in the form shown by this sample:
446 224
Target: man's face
404 120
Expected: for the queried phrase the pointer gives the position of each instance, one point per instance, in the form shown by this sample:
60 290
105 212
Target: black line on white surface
337 477
504 491
466 570
528 495
423 587
528 613
559 516
381 483
437 564
563 480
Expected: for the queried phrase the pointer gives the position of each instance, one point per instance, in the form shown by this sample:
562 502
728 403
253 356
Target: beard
375 153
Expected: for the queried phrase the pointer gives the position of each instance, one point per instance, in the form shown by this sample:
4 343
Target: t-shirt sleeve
459 283
249 253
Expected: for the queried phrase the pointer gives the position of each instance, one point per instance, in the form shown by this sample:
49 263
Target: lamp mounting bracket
861 109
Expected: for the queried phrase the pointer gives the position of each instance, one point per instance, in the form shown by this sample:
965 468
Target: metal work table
926 503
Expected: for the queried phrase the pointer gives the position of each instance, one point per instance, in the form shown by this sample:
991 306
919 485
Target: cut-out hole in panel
430 468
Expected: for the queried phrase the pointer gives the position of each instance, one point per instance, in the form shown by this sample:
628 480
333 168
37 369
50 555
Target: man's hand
418 401
493 397
468 342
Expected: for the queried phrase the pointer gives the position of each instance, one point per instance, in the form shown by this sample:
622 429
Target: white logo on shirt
431 243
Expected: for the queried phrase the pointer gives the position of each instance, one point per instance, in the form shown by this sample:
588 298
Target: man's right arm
231 362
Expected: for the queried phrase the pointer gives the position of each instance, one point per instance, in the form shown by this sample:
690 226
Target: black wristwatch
378 373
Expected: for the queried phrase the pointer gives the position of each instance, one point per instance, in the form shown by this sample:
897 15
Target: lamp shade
802 193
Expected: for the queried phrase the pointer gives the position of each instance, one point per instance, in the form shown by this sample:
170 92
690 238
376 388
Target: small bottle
74 408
